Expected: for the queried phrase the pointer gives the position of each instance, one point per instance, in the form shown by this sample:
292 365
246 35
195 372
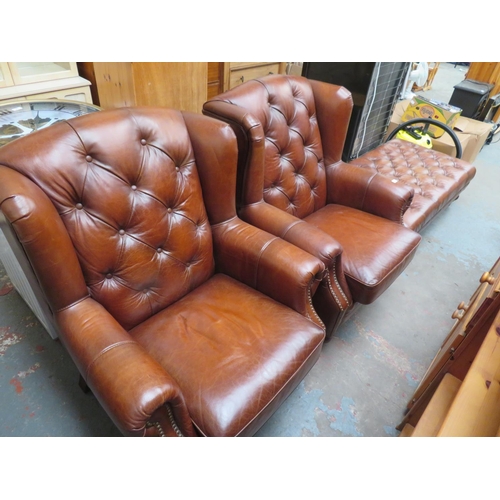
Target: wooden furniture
215 84
487 72
460 393
181 86
184 85
42 80
237 73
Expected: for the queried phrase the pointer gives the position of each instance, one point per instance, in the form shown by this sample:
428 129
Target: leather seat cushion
376 250
244 345
437 178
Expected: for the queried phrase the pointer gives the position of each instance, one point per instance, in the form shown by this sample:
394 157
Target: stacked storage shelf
460 394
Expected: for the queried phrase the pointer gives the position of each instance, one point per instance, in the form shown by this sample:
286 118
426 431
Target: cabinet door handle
487 278
242 79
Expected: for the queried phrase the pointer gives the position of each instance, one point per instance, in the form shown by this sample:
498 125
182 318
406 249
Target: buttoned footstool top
437 178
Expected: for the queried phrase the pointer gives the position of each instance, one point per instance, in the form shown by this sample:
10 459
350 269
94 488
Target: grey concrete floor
366 373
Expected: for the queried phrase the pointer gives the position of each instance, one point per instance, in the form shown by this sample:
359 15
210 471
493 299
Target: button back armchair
293 184
181 318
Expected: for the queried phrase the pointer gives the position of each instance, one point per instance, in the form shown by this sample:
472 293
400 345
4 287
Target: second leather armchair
293 184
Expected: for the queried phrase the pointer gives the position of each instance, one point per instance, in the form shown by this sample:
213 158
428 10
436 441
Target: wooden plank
484 72
214 71
476 408
434 415
215 79
86 70
180 86
407 431
115 84
488 417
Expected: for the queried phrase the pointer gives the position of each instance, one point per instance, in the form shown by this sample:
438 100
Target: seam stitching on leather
368 184
73 303
333 292
224 222
309 298
293 224
262 250
338 287
389 273
337 283
11 197
281 390
104 351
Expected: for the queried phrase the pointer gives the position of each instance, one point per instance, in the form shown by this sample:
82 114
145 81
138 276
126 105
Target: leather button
143 142
122 231
134 187
145 290
88 158
169 210
177 169
109 276
159 250
79 206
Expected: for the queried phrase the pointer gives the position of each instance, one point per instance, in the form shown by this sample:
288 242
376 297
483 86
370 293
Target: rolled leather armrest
130 385
367 190
307 237
292 229
46 242
269 264
229 113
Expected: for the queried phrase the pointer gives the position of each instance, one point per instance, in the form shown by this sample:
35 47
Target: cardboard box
472 134
420 107
477 132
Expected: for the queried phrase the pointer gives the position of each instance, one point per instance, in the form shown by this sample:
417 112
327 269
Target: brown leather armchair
292 183
181 318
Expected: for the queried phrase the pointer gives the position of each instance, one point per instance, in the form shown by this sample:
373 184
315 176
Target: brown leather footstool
437 178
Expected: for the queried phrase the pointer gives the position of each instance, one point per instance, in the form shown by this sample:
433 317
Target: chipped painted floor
366 373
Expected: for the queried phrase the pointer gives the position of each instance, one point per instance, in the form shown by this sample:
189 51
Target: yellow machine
414 131
415 135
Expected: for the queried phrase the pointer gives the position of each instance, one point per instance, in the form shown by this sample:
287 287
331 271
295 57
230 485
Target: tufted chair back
283 115
126 189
